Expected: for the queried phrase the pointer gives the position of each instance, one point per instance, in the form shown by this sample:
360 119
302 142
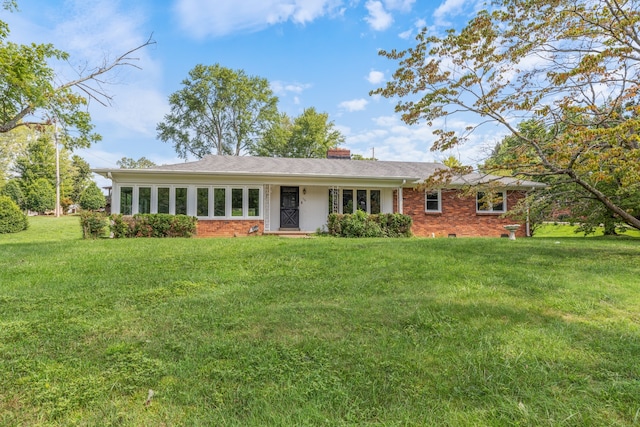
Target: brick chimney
339 153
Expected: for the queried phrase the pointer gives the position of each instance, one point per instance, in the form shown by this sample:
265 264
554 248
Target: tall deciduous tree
12 145
567 199
572 66
39 161
218 111
41 196
81 177
31 95
311 135
130 163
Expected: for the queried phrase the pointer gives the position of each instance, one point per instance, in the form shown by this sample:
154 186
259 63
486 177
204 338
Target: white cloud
354 105
223 17
449 10
402 5
379 19
386 121
393 140
405 34
281 88
135 109
449 7
375 77
418 25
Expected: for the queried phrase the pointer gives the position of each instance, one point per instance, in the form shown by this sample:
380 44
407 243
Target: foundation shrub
395 224
153 225
360 224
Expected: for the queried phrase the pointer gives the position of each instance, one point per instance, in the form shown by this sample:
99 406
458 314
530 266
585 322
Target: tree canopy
218 111
310 135
31 94
39 161
571 67
130 163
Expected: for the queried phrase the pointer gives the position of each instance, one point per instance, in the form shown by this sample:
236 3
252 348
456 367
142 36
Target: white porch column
266 206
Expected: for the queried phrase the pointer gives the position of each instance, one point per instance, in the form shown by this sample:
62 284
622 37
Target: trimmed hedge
93 224
152 225
360 224
12 220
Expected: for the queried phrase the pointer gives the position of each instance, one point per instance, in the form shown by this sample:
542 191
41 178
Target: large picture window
374 197
347 201
490 202
163 200
219 202
236 202
181 201
254 202
361 196
202 202
126 200
144 200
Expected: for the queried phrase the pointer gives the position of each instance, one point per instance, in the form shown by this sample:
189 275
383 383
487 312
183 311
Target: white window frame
490 209
192 199
209 194
227 202
355 199
439 193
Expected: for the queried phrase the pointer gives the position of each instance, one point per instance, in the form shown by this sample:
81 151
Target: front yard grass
324 331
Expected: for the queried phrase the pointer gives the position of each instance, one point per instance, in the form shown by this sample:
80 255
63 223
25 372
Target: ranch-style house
240 195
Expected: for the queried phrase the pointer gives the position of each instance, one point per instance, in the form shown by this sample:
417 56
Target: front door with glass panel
289 207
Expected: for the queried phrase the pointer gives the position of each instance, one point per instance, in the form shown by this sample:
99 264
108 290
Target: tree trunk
624 215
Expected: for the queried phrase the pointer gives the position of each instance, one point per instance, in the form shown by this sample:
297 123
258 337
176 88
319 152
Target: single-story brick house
233 195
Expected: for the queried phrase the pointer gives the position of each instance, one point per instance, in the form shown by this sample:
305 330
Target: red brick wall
458 215
228 228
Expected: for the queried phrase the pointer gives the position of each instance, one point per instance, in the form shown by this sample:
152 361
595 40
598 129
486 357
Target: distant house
234 196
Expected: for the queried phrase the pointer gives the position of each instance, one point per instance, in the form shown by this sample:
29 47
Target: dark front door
289 207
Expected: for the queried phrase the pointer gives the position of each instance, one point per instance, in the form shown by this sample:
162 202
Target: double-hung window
494 202
433 201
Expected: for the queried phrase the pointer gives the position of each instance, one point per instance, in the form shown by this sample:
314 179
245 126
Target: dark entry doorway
290 207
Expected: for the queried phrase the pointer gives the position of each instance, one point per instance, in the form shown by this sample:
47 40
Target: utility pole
55 141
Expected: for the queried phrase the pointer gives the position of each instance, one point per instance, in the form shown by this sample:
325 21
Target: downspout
400 204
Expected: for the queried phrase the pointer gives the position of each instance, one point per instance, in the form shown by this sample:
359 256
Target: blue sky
314 53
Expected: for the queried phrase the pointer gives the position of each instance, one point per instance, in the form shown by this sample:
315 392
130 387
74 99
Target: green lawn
566 230
321 331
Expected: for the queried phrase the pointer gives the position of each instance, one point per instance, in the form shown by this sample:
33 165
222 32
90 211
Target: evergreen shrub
12 220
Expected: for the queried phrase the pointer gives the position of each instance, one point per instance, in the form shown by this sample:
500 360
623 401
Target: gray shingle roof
413 172
305 167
